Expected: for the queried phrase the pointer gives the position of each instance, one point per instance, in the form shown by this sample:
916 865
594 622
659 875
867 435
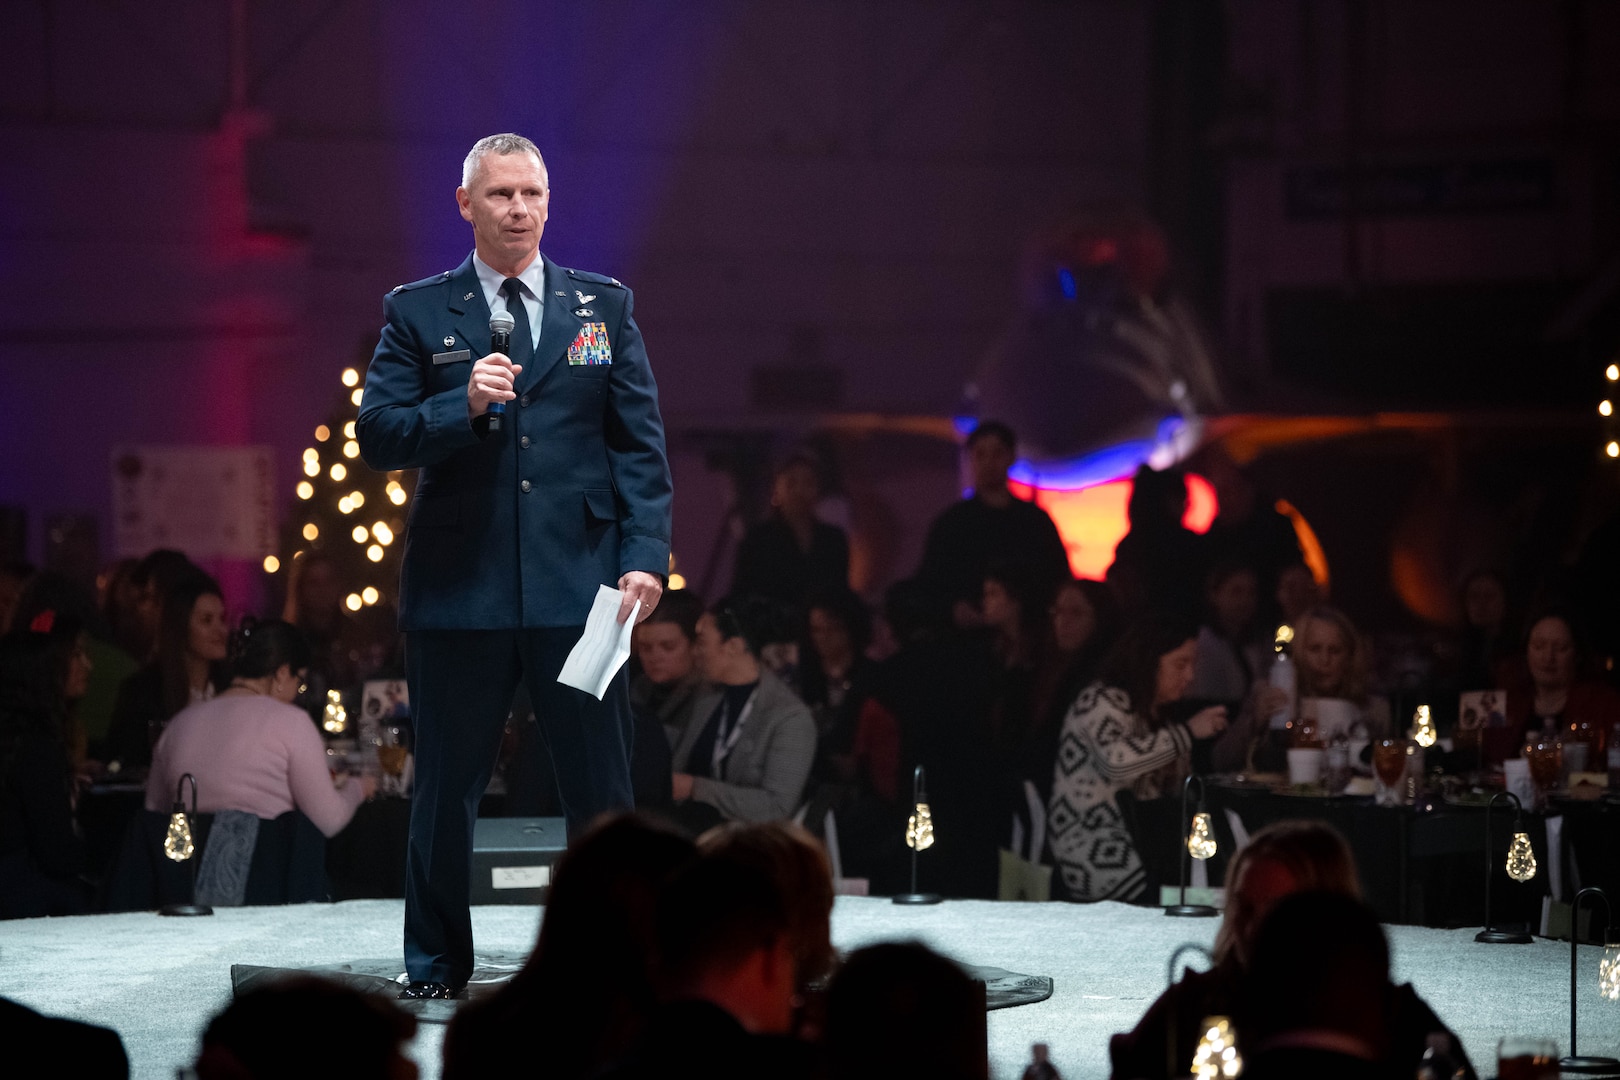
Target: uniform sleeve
788 756
401 426
634 432
313 793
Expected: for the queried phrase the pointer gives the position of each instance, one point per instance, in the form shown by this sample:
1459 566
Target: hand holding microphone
489 387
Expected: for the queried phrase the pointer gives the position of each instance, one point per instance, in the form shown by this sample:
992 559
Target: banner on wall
211 502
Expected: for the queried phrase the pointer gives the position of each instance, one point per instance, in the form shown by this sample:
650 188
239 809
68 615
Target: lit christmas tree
349 514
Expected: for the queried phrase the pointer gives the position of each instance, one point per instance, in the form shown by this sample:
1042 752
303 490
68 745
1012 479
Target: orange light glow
1309 545
1092 520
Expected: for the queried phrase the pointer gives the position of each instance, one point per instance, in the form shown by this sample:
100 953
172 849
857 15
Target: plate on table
1256 781
1304 791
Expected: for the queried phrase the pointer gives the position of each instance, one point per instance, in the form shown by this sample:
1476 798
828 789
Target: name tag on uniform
452 357
590 346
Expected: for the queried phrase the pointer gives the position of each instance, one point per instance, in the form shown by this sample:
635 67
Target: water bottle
1284 678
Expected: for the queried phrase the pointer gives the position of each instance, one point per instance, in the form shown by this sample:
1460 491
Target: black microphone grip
500 341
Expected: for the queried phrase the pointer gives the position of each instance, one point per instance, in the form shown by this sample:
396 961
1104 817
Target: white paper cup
1305 765
1516 778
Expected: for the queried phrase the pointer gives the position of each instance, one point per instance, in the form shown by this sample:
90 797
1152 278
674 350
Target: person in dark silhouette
586 993
792 554
988 525
903 1010
256 1036
1160 564
727 976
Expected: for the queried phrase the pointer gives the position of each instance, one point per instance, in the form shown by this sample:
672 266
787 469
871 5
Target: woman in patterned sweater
1115 737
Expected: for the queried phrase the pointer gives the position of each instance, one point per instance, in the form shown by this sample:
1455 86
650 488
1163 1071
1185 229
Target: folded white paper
603 648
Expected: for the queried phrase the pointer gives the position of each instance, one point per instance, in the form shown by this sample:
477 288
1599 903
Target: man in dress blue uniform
514 525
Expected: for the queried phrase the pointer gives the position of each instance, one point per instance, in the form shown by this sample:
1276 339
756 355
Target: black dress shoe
418 991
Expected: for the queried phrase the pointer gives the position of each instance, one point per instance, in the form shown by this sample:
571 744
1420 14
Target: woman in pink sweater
249 748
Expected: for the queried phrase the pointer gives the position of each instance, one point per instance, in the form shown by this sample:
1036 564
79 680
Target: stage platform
158 980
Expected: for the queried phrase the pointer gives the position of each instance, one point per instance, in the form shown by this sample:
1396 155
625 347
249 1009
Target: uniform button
524 442
524 401
524 485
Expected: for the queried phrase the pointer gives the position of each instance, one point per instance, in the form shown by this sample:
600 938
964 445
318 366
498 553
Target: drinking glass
393 750
1546 759
1526 1057
1389 765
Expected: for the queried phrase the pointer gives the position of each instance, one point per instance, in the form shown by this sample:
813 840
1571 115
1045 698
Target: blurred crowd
1030 700
794 727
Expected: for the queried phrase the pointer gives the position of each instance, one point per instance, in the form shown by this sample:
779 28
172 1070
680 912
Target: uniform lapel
470 316
558 327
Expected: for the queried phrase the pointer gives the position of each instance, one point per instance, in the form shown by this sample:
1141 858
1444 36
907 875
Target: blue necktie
522 352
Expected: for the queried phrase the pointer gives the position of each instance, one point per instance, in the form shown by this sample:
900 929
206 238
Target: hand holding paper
603 648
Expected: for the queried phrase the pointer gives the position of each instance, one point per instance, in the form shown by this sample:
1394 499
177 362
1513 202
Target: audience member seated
834 674
857 772
82 1051
988 525
187 667
584 997
155 575
791 554
43 670
109 664
1486 649
1279 860
1561 700
662 691
1084 625
120 598
1014 605
310 1028
1117 736
1230 653
1331 663
747 749
337 639
1321 1005
797 863
1160 564
250 749
902 1010
1015 611
1334 663
666 652
727 978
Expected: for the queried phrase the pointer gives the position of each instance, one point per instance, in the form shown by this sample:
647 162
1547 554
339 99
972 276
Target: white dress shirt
534 283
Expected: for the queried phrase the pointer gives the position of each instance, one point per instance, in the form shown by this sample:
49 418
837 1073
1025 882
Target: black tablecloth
1424 865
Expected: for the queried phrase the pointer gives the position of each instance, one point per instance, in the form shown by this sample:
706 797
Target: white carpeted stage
157 980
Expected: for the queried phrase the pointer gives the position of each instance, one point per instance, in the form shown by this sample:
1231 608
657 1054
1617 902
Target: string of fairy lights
1611 430
347 513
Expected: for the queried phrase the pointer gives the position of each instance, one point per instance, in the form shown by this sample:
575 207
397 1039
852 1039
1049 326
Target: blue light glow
1098 467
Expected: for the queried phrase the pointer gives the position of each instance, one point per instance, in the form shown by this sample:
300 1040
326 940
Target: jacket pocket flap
601 505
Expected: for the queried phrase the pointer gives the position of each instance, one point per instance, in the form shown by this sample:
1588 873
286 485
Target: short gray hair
507 143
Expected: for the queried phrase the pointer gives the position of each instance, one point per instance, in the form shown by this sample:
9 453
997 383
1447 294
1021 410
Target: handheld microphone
500 340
